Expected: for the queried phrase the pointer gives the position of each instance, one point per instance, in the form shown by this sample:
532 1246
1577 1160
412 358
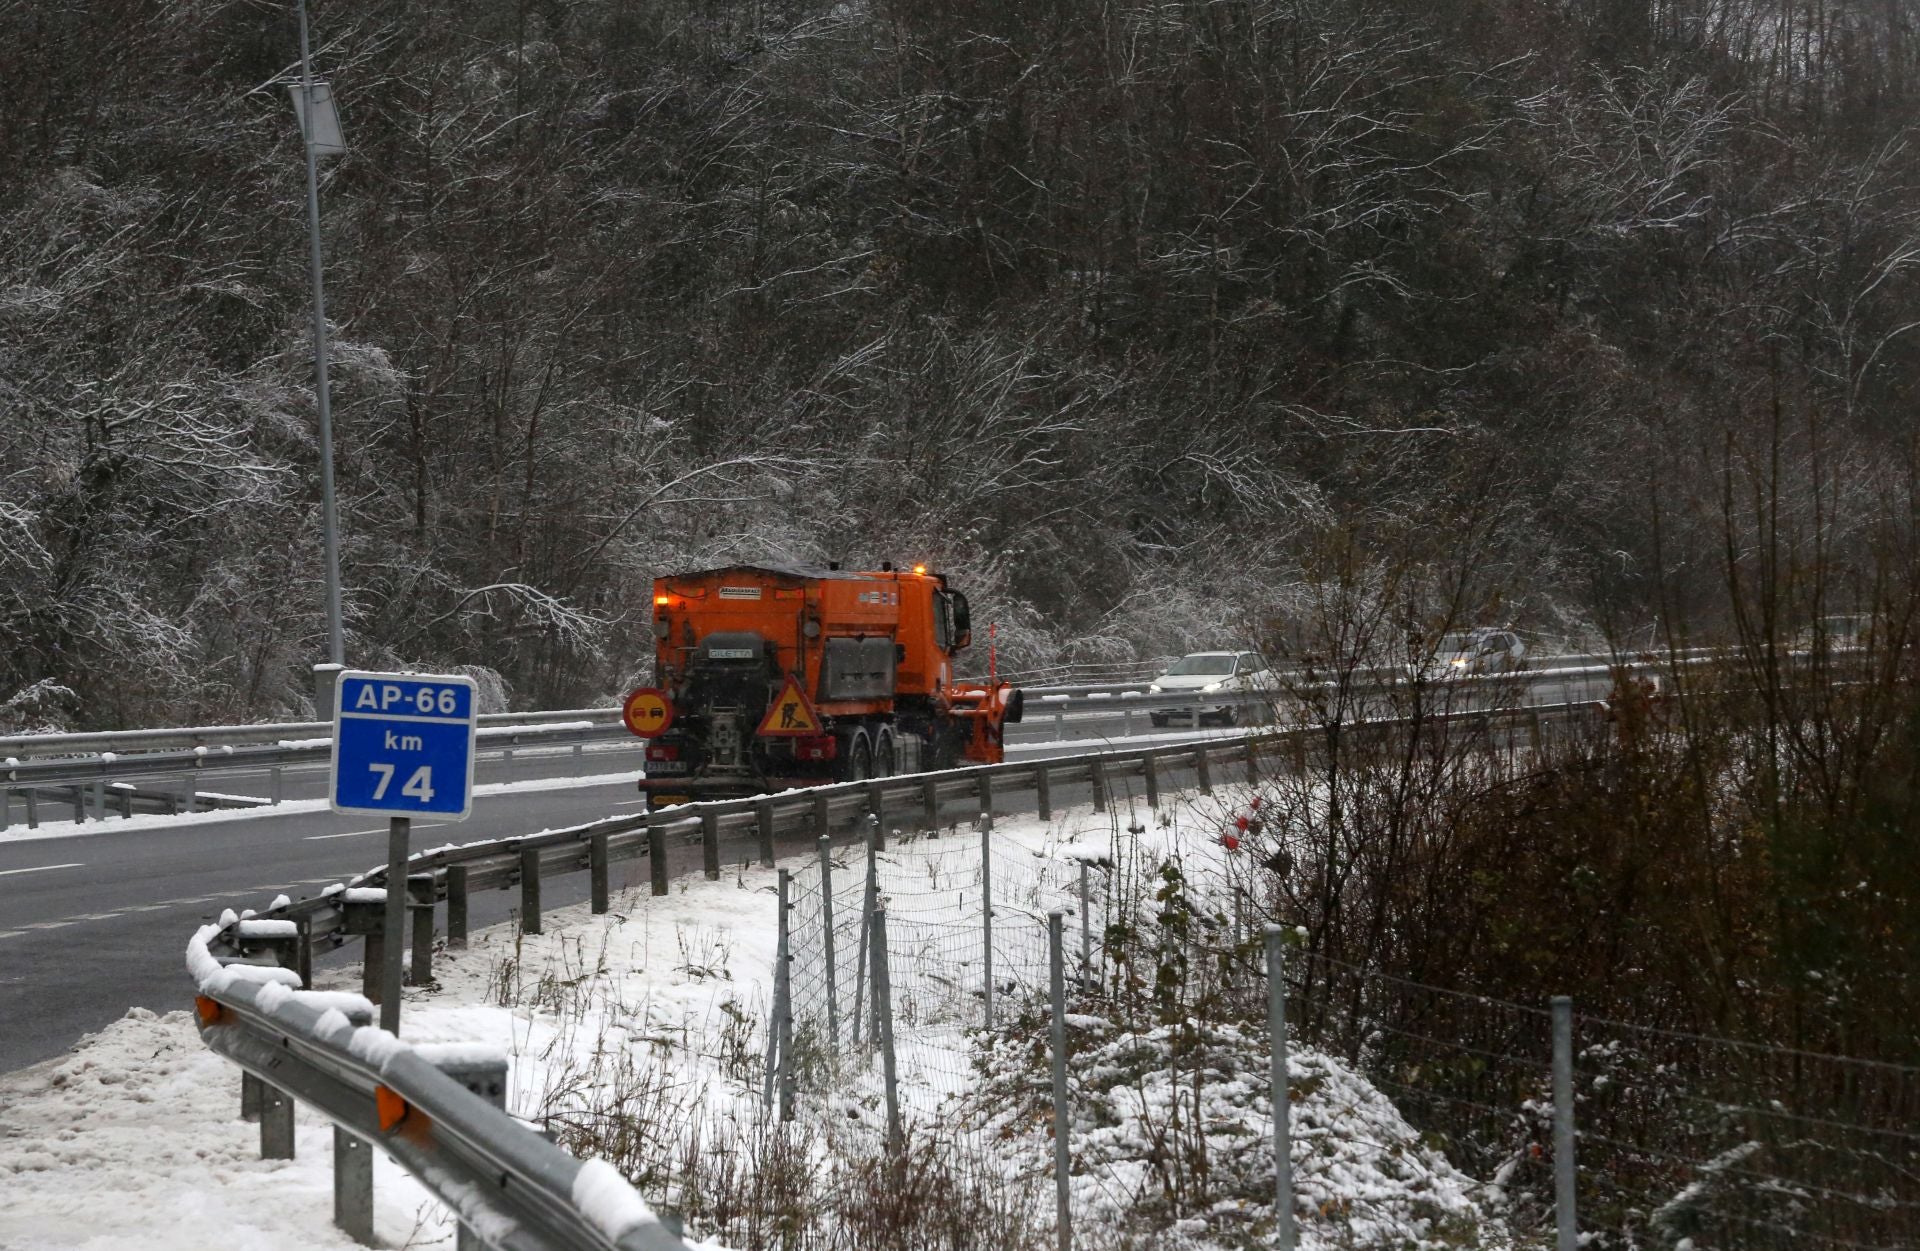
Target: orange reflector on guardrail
208 1011
391 1108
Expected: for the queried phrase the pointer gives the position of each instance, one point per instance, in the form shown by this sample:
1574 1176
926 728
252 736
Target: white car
1214 673
1482 650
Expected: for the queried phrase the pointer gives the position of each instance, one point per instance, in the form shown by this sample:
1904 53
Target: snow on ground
134 1140
634 1030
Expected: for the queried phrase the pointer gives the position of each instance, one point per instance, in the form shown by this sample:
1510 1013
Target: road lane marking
46 925
417 825
42 869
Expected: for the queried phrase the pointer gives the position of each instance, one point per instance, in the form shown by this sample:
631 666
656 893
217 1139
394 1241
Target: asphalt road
97 921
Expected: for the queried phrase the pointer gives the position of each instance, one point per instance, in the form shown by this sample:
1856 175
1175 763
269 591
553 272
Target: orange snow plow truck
768 678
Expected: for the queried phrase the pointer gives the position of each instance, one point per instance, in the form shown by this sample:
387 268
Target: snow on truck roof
804 572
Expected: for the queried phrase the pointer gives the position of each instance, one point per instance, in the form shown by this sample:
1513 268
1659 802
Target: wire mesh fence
1731 1144
1419 1115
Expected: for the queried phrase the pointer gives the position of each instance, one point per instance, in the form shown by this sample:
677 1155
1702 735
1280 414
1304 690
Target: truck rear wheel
856 758
884 757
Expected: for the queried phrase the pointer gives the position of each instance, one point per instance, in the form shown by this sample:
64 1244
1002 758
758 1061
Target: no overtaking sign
403 745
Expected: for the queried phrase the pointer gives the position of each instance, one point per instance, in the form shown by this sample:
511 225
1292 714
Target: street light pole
309 120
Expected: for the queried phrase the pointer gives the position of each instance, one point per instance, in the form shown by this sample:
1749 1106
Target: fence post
826 939
373 957
774 1060
877 804
883 1028
785 1021
126 802
303 954
1062 1123
763 825
1043 791
456 905
1565 1222
1282 1105
1086 922
1150 772
79 803
597 867
1253 765
930 800
33 809
822 816
869 897
876 832
250 1087
710 843
276 1123
986 918
1097 775
423 939
1204 768
100 799
529 890
353 1187
278 792
984 788
657 856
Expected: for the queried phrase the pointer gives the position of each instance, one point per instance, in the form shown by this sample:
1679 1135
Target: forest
1137 318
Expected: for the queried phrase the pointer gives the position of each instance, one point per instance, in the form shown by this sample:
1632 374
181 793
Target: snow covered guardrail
509 1188
95 771
449 875
42 746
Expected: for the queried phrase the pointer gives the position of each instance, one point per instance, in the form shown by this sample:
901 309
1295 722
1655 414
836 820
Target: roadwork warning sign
792 713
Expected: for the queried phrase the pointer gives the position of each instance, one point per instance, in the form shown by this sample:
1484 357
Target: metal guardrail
450 875
518 1192
578 728
98 771
23 746
210 736
507 1186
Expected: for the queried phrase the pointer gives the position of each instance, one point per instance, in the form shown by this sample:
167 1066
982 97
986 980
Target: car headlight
1211 687
1153 688
1459 662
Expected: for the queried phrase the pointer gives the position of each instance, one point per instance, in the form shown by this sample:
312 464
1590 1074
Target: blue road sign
403 745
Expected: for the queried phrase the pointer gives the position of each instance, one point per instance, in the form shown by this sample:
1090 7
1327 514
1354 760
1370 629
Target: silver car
1236 676
1482 650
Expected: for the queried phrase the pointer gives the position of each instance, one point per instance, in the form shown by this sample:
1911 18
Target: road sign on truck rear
403 745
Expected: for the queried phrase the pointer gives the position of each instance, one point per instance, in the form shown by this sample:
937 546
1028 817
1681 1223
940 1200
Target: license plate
667 801
655 767
729 653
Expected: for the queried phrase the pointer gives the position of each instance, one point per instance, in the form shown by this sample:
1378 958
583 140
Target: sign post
403 746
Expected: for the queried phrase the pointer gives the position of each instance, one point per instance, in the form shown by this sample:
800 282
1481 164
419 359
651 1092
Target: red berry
1232 843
